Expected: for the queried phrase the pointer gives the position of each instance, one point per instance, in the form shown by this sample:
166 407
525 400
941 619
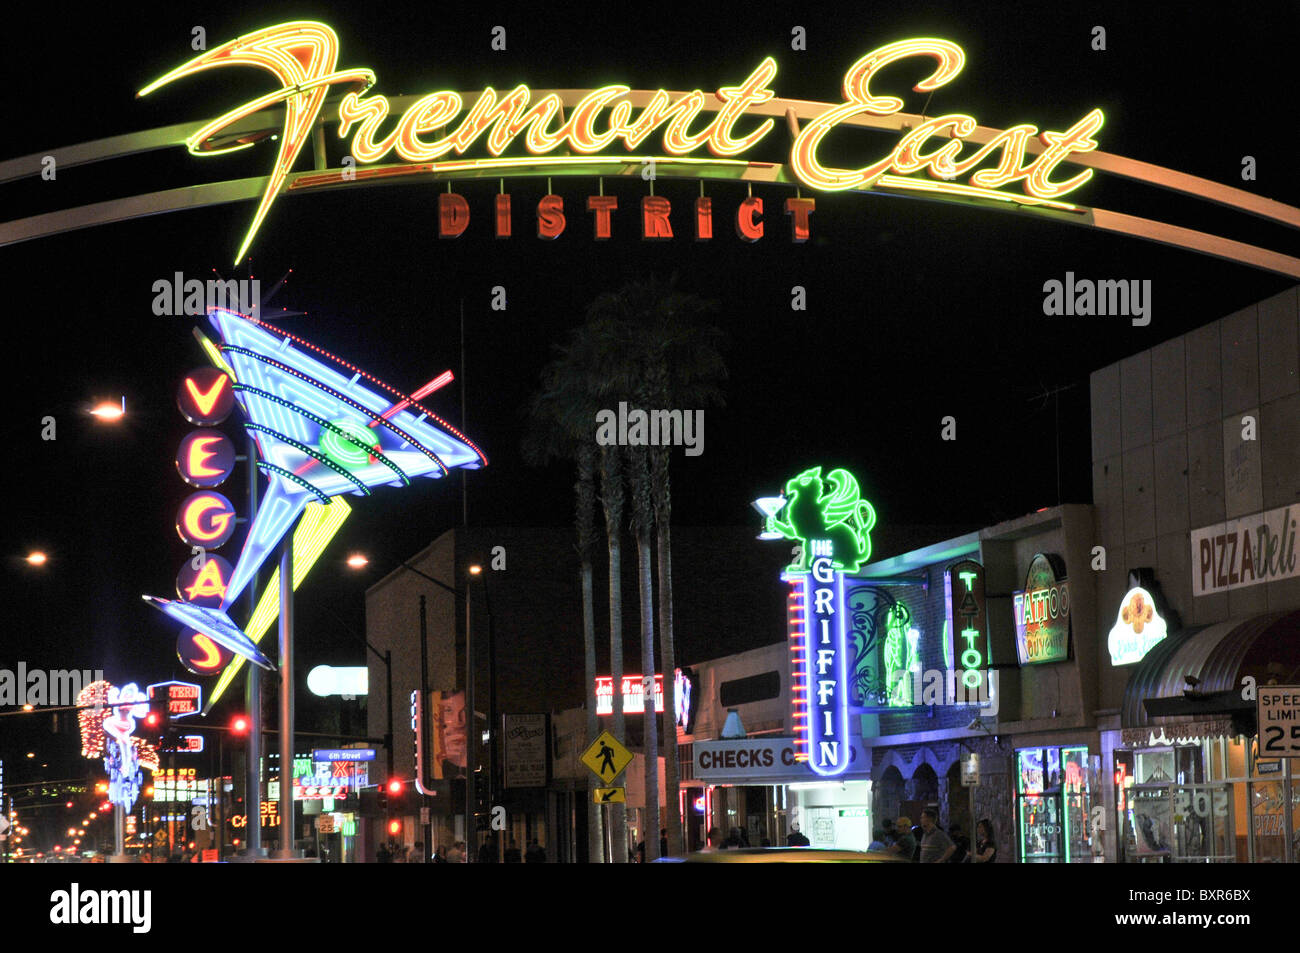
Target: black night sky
915 310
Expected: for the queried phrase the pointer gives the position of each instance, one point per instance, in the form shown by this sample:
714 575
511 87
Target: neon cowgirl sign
303 55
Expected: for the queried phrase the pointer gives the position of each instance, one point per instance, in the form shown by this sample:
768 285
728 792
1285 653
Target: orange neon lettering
205 400
199 455
603 206
703 219
1012 143
654 218
193 519
550 217
749 219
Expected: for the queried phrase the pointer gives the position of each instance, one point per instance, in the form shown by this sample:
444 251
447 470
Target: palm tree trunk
612 489
645 576
595 836
667 651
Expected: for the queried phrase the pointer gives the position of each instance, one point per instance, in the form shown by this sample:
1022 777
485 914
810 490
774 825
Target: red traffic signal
153 720
239 725
395 786
394 828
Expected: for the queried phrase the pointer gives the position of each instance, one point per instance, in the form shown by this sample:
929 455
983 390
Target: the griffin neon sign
303 56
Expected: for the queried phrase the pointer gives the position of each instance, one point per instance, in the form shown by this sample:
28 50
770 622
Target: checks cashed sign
1245 552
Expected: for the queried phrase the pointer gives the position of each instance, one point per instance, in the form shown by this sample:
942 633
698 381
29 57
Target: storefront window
1053 804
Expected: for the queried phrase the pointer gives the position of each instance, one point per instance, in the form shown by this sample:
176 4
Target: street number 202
1273 739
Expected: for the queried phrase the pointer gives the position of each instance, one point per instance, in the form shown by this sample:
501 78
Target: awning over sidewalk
1158 698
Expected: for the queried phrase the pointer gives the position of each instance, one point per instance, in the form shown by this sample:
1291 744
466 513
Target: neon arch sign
303 55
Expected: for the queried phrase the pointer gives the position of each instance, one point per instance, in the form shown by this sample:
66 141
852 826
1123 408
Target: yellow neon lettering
858 96
1059 146
200 455
657 112
907 156
738 99
371 112
193 521
208 582
429 113
578 128
301 55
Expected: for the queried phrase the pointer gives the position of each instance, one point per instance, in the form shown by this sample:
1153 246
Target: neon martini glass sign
303 55
319 433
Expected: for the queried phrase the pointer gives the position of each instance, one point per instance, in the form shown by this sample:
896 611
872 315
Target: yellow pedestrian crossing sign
609 795
607 757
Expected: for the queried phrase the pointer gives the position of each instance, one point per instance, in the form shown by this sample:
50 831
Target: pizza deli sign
1245 552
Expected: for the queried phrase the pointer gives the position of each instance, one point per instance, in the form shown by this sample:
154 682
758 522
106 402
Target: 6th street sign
1278 708
606 757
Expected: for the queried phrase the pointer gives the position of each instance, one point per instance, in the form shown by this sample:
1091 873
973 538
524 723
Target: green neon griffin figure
829 508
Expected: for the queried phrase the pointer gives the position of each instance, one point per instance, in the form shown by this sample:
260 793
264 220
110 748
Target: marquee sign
1042 614
303 56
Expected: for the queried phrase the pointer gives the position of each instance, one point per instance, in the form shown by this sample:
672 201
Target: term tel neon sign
303 56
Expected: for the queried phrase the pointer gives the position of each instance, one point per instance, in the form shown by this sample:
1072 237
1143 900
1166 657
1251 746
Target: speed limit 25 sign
1279 721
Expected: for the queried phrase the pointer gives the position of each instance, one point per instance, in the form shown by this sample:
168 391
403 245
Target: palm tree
683 368
555 412
662 358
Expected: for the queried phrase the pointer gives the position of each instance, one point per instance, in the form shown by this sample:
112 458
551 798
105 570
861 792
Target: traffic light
239 725
395 786
394 828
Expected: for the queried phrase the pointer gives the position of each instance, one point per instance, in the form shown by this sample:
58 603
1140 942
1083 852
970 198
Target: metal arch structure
269 122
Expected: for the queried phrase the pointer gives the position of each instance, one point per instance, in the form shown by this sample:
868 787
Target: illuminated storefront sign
205 397
826 660
205 458
633 694
327 779
684 700
1245 552
1042 614
269 814
181 698
1138 627
303 56
751 758
967 617
107 717
319 434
